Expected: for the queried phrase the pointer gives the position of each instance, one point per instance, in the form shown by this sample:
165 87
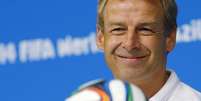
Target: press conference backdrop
47 48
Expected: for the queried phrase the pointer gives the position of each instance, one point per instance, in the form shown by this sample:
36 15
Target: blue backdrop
47 48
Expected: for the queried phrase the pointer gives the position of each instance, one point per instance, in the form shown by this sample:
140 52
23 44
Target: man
136 37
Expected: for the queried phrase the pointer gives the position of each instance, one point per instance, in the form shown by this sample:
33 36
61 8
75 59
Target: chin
130 72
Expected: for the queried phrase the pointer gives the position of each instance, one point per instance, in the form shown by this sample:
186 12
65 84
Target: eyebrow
116 24
152 23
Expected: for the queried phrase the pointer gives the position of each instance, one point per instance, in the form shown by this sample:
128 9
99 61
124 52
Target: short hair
169 8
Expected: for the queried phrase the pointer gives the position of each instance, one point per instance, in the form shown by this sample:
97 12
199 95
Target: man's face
133 39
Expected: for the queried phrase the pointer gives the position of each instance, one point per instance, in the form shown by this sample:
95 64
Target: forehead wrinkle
116 11
143 20
155 3
115 6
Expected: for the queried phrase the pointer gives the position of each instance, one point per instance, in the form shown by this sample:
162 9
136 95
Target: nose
131 41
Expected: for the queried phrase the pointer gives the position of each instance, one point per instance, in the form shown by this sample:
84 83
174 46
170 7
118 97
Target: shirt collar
165 92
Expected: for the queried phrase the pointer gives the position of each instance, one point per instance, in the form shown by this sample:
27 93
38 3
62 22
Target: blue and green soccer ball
112 90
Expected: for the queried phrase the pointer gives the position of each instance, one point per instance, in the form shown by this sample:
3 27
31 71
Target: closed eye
118 30
146 31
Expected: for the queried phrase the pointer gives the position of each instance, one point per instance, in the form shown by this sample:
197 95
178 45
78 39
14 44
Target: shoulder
184 92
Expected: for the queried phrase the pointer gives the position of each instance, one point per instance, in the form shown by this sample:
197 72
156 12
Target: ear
171 40
99 38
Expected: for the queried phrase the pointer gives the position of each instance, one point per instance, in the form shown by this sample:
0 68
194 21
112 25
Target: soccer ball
112 90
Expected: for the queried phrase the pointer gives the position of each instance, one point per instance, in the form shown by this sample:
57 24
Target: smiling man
136 37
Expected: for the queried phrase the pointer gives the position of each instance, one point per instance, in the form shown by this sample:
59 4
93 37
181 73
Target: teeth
132 57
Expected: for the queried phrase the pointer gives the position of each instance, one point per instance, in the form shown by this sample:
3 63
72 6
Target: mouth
131 57
133 60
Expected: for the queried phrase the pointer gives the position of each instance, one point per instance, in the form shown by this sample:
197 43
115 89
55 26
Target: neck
152 84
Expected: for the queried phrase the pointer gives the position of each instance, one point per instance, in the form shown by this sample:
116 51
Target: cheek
156 45
111 44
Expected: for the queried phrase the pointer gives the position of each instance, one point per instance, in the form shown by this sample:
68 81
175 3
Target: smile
131 59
